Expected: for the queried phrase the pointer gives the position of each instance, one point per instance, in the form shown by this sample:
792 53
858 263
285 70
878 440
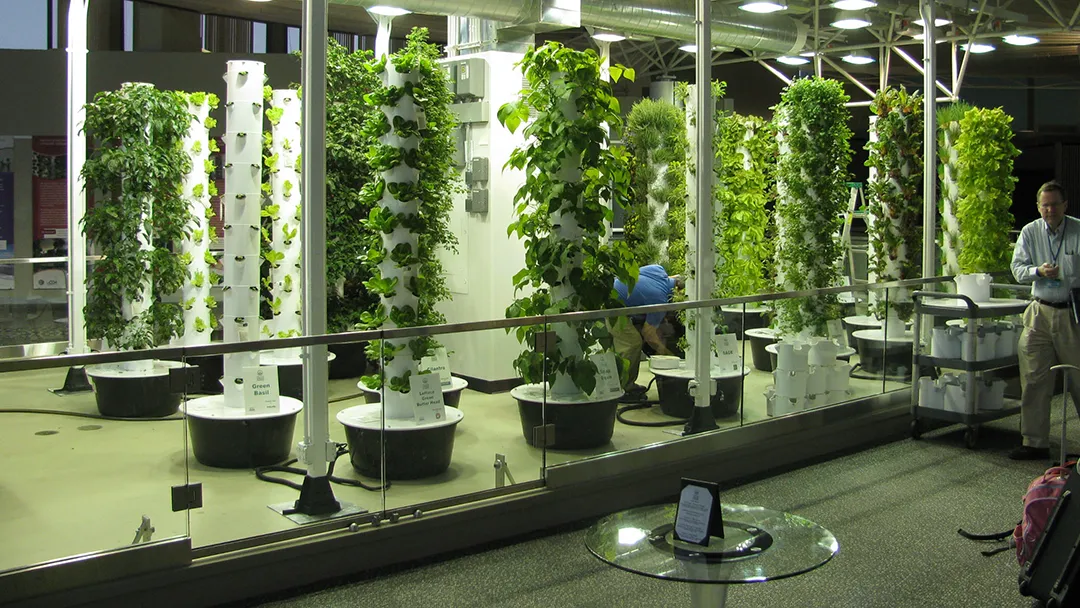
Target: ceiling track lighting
796 60
857 58
764 6
608 36
850 20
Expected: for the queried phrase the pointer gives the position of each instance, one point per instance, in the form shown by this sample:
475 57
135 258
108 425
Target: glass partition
90 470
33 308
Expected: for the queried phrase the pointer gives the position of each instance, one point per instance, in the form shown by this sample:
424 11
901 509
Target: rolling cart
957 306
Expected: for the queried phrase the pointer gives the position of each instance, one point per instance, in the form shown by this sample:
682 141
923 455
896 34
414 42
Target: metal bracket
502 471
544 436
187 497
185 379
144 532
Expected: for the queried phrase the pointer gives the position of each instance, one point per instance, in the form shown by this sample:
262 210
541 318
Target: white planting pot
243 147
792 356
244 209
243 178
931 395
975 286
1008 340
245 81
818 380
243 239
956 394
238 302
992 396
946 343
982 347
839 377
247 328
240 273
244 116
776 405
791 383
822 353
834 397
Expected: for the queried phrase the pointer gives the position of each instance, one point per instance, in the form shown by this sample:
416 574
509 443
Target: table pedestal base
708 595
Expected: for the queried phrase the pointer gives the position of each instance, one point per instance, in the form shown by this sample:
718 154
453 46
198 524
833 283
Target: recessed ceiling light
847 20
979 47
692 48
857 58
1020 40
786 60
387 11
938 22
854 5
608 37
763 7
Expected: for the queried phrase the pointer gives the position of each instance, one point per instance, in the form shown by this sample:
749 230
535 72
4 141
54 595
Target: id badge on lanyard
1056 283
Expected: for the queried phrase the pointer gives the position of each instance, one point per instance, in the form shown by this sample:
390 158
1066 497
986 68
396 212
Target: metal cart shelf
957 306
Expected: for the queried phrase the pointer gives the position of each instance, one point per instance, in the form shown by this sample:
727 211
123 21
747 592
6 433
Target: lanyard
1050 244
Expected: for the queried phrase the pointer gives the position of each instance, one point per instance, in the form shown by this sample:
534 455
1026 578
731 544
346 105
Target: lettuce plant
948 173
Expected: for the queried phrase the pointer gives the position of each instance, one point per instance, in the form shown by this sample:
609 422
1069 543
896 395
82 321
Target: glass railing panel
90 470
33 309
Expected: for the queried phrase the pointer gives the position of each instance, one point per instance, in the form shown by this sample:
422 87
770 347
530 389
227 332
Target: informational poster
7 211
50 187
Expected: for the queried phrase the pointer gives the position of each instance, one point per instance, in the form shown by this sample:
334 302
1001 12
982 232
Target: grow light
608 37
857 58
763 7
1020 40
854 5
978 47
388 11
938 22
850 21
786 60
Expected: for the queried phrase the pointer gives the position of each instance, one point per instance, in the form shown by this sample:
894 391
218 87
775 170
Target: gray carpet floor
894 508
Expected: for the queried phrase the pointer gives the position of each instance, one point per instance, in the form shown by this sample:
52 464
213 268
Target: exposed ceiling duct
673 19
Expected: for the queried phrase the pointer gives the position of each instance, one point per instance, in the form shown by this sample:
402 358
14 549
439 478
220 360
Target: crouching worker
631 333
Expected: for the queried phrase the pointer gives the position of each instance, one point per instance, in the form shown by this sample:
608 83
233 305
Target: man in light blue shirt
1047 254
653 286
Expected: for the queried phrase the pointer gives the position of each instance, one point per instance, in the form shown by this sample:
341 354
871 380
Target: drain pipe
702 419
317 450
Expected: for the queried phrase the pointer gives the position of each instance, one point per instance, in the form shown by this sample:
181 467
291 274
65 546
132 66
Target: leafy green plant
413 190
560 209
656 133
195 247
985 155
137 168
894 193
811 179
948 171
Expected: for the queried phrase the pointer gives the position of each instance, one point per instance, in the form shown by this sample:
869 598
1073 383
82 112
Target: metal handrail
180 352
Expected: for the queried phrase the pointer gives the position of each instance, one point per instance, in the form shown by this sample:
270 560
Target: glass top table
759 545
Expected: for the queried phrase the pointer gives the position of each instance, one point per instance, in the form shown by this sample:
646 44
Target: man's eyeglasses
1051 205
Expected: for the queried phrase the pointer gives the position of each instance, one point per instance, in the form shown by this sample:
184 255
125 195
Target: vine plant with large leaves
814 152
137 168
655 222
895 193
409 218
985 155
569 173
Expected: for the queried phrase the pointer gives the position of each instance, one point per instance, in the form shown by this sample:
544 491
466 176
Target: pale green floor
85 487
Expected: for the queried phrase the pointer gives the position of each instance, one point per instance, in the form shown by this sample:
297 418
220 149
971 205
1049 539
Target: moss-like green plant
560 209
948 173
985 155
138 167
814 152
656 133
894 193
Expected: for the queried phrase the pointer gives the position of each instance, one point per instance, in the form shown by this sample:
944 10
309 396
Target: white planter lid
843 351
715 373
113 370
539 393
878 335
763 332
456 384
369 417
213 408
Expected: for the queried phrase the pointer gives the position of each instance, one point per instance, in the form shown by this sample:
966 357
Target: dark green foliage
137 169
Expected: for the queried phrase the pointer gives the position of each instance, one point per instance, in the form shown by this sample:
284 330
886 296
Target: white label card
261 391
438 363
607 375
695 508
427 395
726 352
836 331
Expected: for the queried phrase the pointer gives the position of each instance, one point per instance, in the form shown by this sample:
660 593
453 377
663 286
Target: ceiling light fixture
979 47
1020 40
847 20
857 58
388 11
938 22
608 37
764 7
854 5
786 60
692 48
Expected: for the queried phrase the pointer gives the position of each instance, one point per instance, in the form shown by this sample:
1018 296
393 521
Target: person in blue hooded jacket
630 334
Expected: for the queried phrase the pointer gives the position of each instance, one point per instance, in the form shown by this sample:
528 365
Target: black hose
642 406
342 449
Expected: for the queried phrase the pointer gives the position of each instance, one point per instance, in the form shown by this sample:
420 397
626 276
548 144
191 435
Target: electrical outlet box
471 78
478 171
476 201
451 72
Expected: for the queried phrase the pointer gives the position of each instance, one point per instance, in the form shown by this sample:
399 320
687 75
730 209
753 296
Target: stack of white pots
243 209
950 392
991 340
807 375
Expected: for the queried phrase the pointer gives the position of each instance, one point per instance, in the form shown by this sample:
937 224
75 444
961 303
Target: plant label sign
438 363
836 331
427 391
261 392
726 353
608 383
698 514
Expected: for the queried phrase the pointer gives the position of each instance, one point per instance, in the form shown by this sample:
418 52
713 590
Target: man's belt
1052 304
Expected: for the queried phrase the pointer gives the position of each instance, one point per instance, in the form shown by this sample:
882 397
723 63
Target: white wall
480 275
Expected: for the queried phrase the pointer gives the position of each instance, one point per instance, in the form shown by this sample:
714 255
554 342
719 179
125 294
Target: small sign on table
608 383
438 363
261 391
726 350
427 393
698 515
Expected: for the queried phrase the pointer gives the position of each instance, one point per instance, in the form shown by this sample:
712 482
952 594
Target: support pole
782 76
76 158
317 450
921 69
929 258
702 419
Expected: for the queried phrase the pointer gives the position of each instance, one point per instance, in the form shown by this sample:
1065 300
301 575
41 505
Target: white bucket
992 396
945 343
956 395
791 384
975 286
984 344
839 377
823 353
818 381
930 394
833 397
1008 339
792 356
775 405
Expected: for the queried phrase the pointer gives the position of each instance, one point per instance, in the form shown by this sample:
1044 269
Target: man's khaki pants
1050 337
628 344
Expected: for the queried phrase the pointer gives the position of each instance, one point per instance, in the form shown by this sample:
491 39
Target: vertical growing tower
198 304
284 211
